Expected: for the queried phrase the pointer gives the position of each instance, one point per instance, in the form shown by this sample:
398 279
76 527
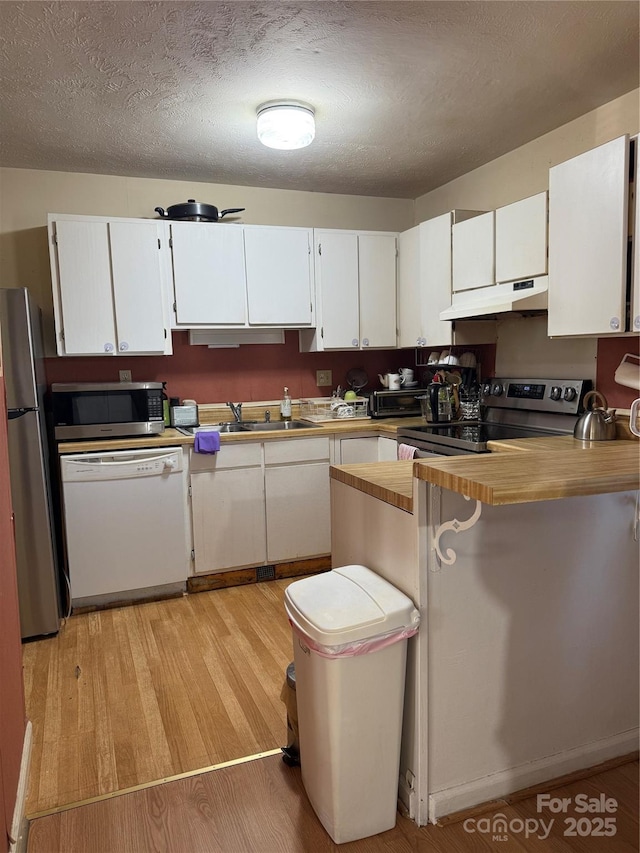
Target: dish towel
405 451
207 441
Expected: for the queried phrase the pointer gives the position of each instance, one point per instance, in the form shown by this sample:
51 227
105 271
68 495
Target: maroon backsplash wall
610 353
260 372
250 372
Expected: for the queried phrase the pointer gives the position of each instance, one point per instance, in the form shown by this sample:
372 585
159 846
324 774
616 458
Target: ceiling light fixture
286 124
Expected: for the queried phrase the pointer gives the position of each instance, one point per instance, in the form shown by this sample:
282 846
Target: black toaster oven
395 404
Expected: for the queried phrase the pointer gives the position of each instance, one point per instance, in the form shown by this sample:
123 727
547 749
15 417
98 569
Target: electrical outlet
323 378
125 375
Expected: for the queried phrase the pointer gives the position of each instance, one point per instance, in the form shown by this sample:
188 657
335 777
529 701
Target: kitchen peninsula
524 565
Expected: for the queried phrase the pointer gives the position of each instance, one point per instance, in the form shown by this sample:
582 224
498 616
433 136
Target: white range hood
518 296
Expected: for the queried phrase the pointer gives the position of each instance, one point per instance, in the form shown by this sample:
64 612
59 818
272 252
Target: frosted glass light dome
286 125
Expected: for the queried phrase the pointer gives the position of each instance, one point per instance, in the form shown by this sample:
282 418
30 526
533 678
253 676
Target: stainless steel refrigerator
36 554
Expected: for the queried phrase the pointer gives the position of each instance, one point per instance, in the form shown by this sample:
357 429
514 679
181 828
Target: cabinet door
635 282
474 252
337 281
137 287
387 449
435 253
354 450
84 283
298 511
409 289
588 203
377 284
209 274
521 239
278 275
228 513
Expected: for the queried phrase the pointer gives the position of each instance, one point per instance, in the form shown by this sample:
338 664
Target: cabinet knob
355 342
365 342
108 347
614 323
636 322
124 346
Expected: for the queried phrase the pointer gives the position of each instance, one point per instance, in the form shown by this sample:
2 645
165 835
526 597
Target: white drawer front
296 450
229 456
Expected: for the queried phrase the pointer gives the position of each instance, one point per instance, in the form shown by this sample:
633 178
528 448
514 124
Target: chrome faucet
236 408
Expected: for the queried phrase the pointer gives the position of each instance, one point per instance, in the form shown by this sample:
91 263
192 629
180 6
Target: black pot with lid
195 211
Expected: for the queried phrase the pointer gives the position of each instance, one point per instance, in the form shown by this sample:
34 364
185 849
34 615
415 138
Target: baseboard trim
240 577
502 785
19 825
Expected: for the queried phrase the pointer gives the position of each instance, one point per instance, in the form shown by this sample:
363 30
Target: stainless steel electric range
512 408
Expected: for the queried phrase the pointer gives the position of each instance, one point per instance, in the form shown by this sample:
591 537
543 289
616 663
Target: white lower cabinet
367 449
259 503
228 509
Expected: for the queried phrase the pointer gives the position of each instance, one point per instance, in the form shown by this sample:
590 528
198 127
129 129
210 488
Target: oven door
430 450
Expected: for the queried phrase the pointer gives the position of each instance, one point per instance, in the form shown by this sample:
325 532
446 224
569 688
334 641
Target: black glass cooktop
467 435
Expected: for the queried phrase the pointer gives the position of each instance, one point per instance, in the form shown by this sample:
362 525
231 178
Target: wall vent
265 573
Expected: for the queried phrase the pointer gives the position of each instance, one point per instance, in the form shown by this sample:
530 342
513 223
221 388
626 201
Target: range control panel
537 395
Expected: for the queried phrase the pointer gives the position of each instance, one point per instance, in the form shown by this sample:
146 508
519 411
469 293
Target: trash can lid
347 604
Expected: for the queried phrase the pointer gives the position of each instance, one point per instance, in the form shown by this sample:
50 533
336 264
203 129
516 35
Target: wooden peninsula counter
524 565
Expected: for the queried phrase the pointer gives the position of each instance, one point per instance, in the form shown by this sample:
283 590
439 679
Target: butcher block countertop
391 482
545 473
386 427
552 468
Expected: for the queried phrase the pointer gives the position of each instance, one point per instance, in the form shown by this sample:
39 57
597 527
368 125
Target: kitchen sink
270 426
230 426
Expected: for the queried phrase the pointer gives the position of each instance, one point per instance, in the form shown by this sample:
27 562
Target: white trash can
350 630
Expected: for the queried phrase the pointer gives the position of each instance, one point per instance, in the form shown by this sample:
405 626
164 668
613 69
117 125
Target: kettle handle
592 395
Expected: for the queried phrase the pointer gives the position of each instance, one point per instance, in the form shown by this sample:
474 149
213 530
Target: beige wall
525 171
28 195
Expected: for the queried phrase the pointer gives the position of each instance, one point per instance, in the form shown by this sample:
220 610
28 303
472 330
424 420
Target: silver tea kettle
597 423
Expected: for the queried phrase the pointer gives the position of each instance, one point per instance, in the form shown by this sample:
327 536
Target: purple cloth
207 441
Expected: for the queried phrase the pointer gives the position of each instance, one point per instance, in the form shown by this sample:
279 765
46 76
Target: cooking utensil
597 423
357 379
195 211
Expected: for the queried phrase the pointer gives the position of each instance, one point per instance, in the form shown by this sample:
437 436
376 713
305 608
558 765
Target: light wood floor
136 694
260 807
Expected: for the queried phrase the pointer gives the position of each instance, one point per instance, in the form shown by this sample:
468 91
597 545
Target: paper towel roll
627 373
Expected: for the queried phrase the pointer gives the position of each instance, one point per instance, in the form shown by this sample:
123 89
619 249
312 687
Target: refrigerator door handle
13 414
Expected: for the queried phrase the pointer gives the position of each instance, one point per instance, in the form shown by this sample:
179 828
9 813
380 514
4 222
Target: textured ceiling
408 95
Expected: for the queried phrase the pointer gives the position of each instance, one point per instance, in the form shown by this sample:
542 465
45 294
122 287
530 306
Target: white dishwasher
126 532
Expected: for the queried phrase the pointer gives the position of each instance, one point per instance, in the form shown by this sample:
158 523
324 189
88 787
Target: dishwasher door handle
121 462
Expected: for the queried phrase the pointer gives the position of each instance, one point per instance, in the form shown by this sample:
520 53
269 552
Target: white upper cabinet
208 274
588 234
337 299
521 239
635 282
279 275
241 276
377 261
424 283
110 286
474 252
355 274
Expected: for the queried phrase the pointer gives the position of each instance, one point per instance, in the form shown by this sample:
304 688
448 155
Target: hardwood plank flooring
261 807
135 694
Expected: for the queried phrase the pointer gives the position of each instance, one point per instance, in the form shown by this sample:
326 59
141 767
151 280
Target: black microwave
106 409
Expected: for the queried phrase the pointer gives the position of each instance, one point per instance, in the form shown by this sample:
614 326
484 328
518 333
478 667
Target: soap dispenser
285 406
